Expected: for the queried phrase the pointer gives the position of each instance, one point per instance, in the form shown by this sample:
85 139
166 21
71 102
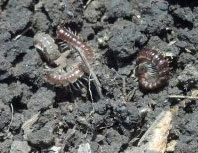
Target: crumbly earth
116 30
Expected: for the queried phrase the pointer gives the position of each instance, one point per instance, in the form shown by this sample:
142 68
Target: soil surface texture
38 117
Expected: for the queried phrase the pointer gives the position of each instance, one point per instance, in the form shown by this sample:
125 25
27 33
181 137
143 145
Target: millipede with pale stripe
67 36
74 69
152 69
47 47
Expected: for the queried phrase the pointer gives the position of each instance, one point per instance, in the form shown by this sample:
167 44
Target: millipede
72 69
65 78
67 36
47 47
152 69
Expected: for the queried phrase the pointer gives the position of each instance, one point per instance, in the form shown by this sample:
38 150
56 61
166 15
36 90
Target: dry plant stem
130 95
90 88
23 32
91 96
124 87
89 1
183 97
12 112
28 124
95 79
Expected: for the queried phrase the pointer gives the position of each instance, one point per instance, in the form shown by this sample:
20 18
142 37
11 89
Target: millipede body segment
152 69
67 36
47 47
64 78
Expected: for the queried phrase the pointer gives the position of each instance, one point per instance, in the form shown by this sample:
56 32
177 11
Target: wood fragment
160 133
171 43
88 2
155 138
124 86
12 116
22 33
89 85
130 94
182 97
30 122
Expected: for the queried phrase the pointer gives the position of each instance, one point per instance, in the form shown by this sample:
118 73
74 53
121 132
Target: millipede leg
74 87
77 84
81 83
86 79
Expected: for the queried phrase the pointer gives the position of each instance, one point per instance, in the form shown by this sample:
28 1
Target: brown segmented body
73 40
65 78
152 69
78 68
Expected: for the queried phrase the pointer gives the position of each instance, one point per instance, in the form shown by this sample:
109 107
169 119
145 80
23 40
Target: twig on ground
88 2
28 124
12 112
124 87
182 97
130 94
90 88
22 33
90 92
95 79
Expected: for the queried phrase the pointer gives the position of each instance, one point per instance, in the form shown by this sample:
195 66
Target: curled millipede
152 69
75 68
47 47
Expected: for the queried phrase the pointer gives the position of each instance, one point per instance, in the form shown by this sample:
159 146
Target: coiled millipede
46 47
152 69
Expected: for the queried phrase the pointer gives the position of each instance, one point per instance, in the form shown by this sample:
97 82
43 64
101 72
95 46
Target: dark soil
117 30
